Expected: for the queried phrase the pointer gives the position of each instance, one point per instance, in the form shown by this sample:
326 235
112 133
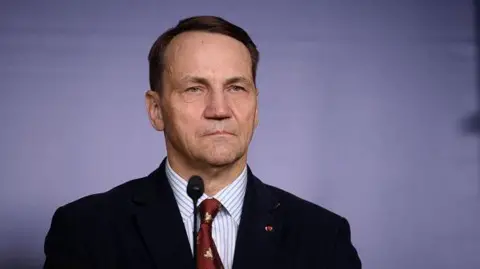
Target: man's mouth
219 133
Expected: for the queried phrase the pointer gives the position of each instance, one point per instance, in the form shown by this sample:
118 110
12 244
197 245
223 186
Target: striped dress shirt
225 224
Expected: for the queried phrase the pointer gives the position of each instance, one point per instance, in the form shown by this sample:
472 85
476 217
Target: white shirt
225 224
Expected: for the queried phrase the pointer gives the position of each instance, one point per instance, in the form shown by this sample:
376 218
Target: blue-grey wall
361 106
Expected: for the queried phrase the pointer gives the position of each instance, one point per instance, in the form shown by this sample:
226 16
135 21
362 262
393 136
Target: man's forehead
189 73
202 57
194 47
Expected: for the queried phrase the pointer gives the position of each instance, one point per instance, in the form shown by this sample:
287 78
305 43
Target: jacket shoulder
99 203
83 224
301 209
316 231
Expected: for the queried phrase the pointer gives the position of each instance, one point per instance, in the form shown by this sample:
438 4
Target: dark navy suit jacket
138 225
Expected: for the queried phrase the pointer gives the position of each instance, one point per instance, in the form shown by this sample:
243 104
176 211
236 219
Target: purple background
361 104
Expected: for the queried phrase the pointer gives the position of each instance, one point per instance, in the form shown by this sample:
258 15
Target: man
204 98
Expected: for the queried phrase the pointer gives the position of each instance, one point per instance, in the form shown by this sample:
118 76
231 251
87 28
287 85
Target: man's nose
217 106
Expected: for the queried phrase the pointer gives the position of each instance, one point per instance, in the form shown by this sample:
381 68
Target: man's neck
214 178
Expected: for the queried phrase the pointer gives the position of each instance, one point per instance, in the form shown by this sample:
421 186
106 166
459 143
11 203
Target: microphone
195 190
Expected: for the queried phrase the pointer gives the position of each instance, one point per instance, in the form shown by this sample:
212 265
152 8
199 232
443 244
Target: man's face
209 100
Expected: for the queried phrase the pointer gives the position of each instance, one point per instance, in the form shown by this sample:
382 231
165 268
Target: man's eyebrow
204 81
238 79
195 79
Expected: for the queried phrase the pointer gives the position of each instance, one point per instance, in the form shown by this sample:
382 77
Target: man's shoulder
99 203
318 232
301 209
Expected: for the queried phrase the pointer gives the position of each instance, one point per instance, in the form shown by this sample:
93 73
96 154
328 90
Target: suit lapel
259 229
159 223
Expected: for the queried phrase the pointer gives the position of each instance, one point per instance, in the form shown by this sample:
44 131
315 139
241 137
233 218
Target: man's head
203 93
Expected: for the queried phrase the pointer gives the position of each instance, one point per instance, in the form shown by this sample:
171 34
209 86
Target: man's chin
221 160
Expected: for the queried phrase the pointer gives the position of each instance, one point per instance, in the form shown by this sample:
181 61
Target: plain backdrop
361 104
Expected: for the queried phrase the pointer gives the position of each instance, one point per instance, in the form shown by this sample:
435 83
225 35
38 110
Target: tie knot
209 209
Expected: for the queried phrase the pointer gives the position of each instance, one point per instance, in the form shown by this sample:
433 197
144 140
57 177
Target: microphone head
195 187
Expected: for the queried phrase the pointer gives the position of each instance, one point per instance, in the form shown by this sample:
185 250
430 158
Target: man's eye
237 88
193 89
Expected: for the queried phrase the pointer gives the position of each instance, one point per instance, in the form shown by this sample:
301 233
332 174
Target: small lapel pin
268 228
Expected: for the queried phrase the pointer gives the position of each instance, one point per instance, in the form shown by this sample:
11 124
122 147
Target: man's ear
154 109
257 119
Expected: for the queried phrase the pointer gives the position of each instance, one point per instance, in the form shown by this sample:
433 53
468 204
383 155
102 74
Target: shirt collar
231 197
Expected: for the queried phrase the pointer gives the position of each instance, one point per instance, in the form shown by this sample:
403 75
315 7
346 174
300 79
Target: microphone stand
195 189
195 211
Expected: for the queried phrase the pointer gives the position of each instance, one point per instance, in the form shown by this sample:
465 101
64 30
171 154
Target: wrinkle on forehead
207 55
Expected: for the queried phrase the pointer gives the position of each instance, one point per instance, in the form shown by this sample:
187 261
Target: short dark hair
210 24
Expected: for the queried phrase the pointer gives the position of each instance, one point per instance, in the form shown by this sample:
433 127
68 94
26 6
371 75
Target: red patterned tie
207 255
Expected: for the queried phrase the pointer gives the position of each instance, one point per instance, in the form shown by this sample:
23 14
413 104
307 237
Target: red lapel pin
268 228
